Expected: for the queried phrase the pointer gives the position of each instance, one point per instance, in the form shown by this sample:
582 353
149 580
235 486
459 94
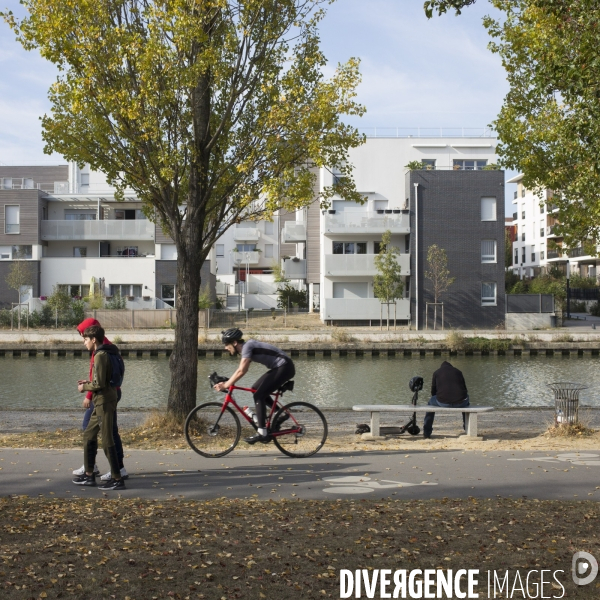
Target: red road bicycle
213 429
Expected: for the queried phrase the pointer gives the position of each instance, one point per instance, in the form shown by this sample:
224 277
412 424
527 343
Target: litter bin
566 402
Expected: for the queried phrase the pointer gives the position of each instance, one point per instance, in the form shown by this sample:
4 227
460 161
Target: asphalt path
265 475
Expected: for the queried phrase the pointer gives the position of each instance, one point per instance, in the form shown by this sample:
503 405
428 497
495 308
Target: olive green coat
103 393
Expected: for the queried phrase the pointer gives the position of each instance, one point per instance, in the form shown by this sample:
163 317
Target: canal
329 382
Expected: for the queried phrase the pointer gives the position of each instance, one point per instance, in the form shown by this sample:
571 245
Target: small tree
387 284
288 296
59 301
21 274
438 274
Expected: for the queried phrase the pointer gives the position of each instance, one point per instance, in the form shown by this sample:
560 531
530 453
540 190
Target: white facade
535 219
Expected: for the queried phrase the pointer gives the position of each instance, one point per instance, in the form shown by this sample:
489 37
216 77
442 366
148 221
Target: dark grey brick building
463 213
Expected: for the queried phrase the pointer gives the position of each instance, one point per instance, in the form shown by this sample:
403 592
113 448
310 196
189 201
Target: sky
415 72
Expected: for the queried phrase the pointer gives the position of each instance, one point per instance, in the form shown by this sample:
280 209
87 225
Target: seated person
448 390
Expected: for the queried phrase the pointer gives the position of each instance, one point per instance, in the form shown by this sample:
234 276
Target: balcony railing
363 309
550 231
293 232
246 234
366 222
138 229
554 254
343 265
294 268
575 252
242 258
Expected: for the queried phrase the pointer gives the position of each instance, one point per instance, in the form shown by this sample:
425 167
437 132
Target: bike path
270 475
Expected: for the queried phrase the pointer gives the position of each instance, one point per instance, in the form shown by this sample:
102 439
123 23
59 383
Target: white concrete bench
377 409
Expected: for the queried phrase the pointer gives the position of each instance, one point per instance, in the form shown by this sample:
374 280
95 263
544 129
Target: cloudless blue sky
415 72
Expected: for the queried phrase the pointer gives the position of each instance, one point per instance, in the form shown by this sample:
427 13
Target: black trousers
271 381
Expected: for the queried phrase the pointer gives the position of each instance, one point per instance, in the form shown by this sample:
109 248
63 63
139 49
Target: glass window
488 251
429 163
523 237
338 247
269 228
268 250
516 257
523 255
361 247
85 179
168 294
488 209
22 252
80 215
12 219
488 293
80 251
469 164
541 232
136 291
349 248
246 247
378 247
542 254
533 257
220 248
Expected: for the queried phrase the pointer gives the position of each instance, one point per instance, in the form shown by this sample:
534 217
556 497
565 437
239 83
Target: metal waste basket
566 402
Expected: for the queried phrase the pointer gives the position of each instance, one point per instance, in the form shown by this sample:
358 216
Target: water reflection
50 383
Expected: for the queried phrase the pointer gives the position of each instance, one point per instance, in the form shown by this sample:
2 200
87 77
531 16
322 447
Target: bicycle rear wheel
302 428
210 433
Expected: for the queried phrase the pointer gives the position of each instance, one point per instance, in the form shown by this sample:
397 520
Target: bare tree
21 274
438 274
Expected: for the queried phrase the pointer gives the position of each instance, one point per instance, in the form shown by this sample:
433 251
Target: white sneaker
81 471
108 476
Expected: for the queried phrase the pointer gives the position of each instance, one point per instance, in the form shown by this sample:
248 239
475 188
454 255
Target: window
542 255
75 290
469 165
269 228
126 289
523 255
533 257
85 179
429 163
127 215
268 250
522 192
80 251
168 294
22 252
522 214
349 247
7 183
488 251
127 250
516 257
246 247
488 293
344 289
488 209
80 215
12 218
523 237
220 250
541 209
541 232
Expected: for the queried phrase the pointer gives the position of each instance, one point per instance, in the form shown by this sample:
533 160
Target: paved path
435 474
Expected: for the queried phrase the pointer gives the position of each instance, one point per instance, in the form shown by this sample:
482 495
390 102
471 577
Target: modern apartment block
538 247
67 222
339 244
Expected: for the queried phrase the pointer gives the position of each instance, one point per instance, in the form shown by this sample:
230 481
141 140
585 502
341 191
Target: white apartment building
538 247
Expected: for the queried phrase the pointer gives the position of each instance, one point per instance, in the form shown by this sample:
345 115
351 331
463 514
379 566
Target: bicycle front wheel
211 431
299 429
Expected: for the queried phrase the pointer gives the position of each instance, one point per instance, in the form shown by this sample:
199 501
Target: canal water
329 382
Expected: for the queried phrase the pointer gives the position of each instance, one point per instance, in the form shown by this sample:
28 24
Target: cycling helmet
231 335
415 384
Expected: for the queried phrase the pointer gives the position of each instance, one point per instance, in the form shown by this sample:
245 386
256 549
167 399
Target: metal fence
529 303
584 293
135 319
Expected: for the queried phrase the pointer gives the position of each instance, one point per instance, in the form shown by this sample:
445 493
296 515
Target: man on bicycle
281 369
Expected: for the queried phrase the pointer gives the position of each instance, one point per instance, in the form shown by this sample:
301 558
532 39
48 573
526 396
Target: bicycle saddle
288 386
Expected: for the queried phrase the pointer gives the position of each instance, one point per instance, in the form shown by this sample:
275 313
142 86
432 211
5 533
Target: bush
288 297
595 309
578 306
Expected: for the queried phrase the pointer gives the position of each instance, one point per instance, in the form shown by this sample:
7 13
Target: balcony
362 309
344 265
554 254
139 229
246 234
293 232
550 231
294 268
361 223
245 258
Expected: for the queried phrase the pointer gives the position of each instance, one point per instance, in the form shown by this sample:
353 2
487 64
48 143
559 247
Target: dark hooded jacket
102 392
448 384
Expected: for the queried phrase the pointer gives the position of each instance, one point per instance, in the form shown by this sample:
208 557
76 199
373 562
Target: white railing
359 264
246 234
293 232
428 132
138 229
356 309
242 258
366 222
294 268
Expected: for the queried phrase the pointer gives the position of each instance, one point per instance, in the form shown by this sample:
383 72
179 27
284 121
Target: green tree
212 111
438 274
288 297
508 250
21 274
387 284
549 123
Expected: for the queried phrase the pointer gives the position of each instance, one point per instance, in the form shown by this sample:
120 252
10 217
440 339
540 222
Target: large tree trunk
184 359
